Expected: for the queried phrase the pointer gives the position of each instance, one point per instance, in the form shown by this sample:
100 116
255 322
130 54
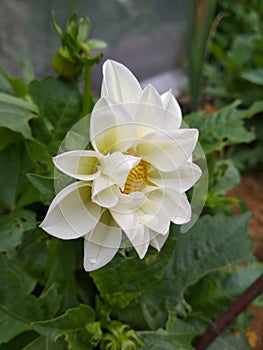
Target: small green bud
66 66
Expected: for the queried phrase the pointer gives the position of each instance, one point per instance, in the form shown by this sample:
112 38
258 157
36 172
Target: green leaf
18 86
213 293
83 29
40 156
42 343
15 114
64 258
227 340
59 104
254 76
44 185
207 246
71 325
8 137
163 340
19 341
12 228
96 44
119 288
227 176
14 165
31 255
222 128
17 308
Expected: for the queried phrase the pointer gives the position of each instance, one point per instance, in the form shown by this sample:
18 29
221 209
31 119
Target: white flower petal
101 183
153 213
117 166
157 240
137 234
148 113
81 165
111 128
129 203
140 239
72 214
119 84
150 97
180 179
127 221
167 150
101 244
172 107
178 206
107 198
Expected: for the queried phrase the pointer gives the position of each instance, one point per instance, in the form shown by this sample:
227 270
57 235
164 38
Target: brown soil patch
251 192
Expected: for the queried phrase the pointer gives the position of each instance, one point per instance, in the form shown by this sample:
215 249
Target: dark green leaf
15 114
226 176
44 185
8 137
40 156
42 343
222 128
17 308
118 287
70 325
19 341
162 340
213 293
228 340
18 86
14 164
12 228
254 76
205 247
64 258
59 104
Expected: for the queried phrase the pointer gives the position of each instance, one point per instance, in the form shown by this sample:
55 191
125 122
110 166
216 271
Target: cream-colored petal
81 165
173 109
72 214
177 205
148 112
167 150
180 179
139 239
168 203
101 244
137 234
117 166
127 221
153 213
111 128
129 203
157 240
151 97
108 197
119 84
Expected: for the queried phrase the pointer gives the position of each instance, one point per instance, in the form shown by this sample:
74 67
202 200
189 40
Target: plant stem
230 315
87 98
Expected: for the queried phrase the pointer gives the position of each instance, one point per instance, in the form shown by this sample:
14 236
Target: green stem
87 98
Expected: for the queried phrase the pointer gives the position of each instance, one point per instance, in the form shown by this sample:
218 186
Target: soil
250 192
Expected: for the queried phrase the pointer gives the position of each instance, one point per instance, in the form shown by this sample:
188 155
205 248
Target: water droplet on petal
92 260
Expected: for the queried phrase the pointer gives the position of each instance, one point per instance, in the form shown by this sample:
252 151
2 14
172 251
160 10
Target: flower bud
65 65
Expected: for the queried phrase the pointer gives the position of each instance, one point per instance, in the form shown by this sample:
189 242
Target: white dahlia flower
135 178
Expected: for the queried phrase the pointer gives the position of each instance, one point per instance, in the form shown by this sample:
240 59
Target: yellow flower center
136 179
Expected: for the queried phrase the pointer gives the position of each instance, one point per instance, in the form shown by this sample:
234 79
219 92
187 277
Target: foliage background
47 301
